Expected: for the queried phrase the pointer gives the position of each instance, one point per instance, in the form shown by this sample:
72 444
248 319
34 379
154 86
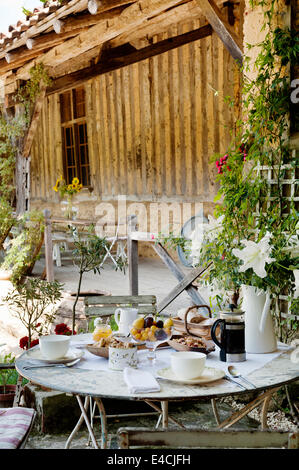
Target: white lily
296 274
255 255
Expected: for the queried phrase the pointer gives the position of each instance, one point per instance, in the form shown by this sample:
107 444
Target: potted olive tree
8 380
34 303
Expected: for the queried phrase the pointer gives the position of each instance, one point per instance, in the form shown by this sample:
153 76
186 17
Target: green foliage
245 192
7 219
23 248
8 376
34 304
28 93
13 128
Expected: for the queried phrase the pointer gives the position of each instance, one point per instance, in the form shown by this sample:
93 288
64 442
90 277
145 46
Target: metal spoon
234 373
233 381
69 364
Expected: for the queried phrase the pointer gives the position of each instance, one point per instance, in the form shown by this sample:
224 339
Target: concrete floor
154 279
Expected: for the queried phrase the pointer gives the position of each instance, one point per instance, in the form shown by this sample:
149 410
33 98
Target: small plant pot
7 398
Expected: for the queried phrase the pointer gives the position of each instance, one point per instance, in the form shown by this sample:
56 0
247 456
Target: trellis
291 194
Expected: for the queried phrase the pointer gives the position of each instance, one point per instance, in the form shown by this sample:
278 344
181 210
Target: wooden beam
43 26
34 48
112 24
76 63
179 14
93 6
222 28
34 122
115 58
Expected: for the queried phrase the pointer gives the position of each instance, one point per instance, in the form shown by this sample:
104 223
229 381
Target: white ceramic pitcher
124 318
259 330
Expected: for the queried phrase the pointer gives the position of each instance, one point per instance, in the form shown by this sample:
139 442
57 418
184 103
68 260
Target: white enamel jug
124 318
259 330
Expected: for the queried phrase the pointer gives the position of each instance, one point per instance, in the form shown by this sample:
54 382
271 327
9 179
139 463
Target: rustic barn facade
138 103
147 119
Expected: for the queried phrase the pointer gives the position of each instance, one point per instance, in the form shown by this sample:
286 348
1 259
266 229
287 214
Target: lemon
168 323
139 323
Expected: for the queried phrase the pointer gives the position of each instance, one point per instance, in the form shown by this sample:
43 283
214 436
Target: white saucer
35 353
209 375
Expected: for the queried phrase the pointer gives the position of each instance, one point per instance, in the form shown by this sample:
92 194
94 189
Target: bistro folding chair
15 422
202 438
117 248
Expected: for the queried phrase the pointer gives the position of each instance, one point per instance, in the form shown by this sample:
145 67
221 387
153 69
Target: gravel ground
276 420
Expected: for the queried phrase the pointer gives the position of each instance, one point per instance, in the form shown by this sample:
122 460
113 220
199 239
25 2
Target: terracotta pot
7 398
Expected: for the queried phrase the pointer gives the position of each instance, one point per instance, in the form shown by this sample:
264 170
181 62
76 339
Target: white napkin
140 381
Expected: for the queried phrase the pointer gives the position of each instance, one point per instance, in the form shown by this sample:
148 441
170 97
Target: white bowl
188 364
54 346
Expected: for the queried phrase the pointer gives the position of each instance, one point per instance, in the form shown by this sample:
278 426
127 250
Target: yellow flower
55 188
75 181
80 186
70 187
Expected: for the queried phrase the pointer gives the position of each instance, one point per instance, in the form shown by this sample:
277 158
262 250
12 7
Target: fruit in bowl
150 330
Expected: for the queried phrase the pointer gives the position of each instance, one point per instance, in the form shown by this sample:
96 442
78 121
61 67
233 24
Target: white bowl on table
54 346
188 364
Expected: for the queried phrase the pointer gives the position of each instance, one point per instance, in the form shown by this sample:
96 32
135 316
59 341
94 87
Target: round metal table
99 384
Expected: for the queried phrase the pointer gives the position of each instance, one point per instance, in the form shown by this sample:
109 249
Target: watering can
259 331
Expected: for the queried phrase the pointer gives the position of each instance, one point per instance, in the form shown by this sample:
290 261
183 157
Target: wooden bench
105 306
198 438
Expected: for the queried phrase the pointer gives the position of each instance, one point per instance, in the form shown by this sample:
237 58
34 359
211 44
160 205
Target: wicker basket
201 329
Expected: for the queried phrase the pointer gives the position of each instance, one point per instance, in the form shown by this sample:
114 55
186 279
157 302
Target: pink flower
219 170
217 163
229 169
152 236
225 157
223 256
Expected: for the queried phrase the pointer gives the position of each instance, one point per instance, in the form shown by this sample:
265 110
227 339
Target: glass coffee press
231 339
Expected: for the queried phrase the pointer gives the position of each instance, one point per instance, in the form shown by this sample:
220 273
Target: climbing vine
23 249
13 128
253 172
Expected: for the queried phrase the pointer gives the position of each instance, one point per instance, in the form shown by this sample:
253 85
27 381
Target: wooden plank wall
152 126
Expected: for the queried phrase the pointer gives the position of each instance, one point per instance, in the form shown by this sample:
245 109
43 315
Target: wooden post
48 247
133 256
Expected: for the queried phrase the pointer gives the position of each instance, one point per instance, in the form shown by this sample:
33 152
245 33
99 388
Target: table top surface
110 384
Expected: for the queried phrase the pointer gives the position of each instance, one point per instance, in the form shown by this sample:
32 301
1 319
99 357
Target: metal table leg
263 399
164 414
78 425
89 422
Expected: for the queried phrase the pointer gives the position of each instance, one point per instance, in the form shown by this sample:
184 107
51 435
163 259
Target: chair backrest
198 438
16 422
105 306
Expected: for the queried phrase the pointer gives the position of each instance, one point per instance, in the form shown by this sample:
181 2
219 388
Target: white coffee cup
187 364
54 346
124 318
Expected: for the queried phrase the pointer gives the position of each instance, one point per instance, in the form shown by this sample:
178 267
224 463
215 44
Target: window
74 136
